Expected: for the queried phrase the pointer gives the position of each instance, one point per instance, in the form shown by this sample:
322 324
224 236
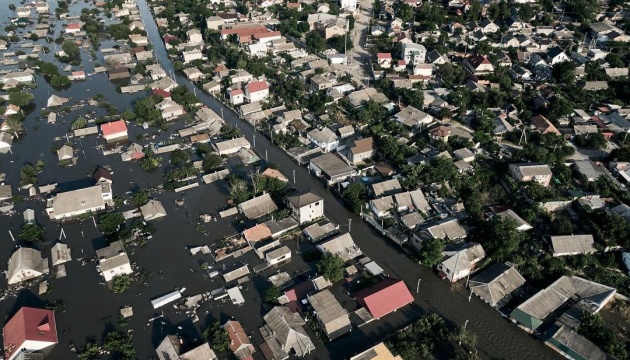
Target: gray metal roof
303 199
546 301
572 244
342 245
332 165
284 331
496 284
386 187
578 344
258 206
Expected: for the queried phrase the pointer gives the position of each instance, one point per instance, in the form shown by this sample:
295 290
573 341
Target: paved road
497 338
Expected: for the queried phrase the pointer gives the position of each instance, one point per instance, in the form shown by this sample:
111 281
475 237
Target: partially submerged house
284 333
113 261
26 264
240 344
152 210
342 246
258 206
173 348
331 315
496 284
459 263
29 332
588 296
306 207
384 297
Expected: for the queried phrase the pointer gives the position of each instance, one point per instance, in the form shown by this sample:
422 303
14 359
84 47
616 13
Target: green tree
303 26
405 13
140 198
502 238
212 162
120 344
356 195
314 42
431 253
218 336
28 175
271 295
79 123
340 43
60 81
109 223
561 225
32 233
564 72
331 267
121 283
229 131
119 31
16 97
72 50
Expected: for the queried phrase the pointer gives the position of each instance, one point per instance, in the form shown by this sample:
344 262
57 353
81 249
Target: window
317 203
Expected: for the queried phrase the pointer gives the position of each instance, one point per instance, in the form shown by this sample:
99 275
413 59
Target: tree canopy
331 267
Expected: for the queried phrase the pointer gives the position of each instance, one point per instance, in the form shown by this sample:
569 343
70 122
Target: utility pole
294 176
221 113
349 225
418 286
463 332
266 158
254 137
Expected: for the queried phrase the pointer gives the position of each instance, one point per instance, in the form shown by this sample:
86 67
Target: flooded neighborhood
360 180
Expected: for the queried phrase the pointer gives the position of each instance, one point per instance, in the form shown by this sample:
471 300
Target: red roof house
29 330
240 344
384 297
73 28
163 93
114 130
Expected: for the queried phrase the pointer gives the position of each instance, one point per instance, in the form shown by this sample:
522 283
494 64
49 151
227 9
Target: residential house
6 141
543 125
505 212
232 146
478 65
449 229
240 344
330 314
256 91
413 54
118 73
565 245
65 153
114 131
258 206
460 263
306 207
11 110
488 26
18 77
113 261
193 74
519 73
77 202
5 192
278 256
331 167
26 264
496 284
194 36
73 28
191 55
435 58
568 342
133 152
411 117
236 96
526 172
589 295
325 139
361 150
440 133
284 333
342 246
384 60
387 187
170 109
29 332
384 297
152 210
59 254
556 55
382 206
320 82
377 352
173 348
